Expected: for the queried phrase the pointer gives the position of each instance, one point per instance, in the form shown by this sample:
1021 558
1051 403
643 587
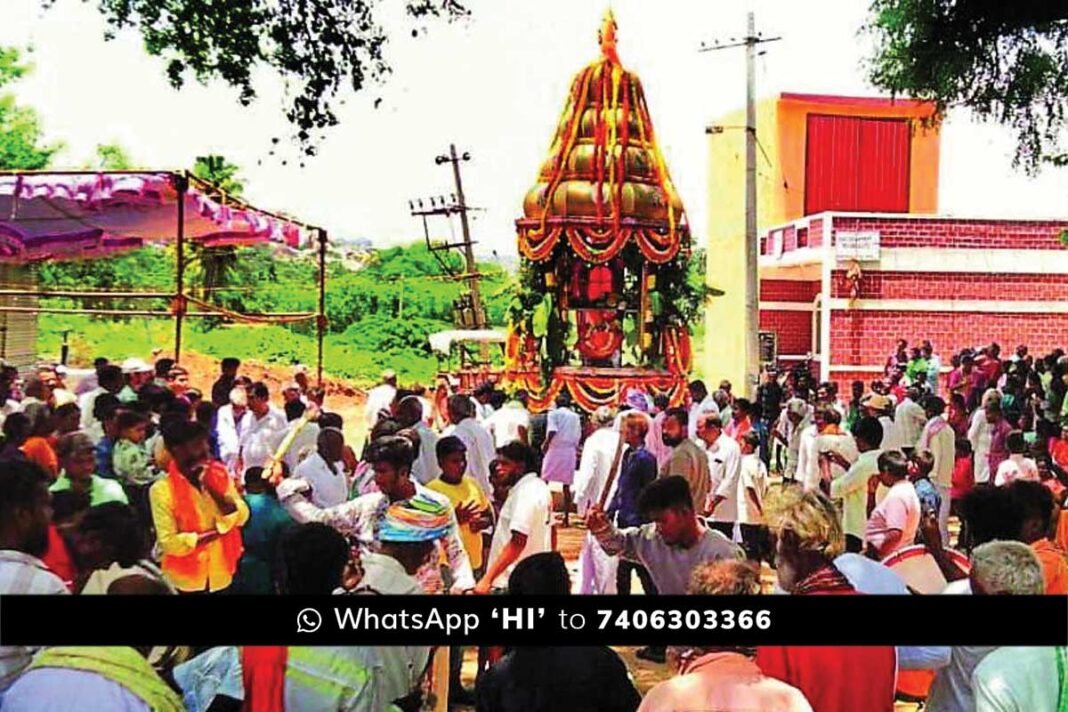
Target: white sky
495 85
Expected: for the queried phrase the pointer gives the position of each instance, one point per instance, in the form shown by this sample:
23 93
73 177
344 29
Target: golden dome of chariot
605 182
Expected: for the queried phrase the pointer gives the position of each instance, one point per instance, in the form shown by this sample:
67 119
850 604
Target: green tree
1005 61
21 142
320 48
217 263
112 157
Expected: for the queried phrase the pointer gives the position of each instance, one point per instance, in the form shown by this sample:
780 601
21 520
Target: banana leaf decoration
539 322
630 329
572 333
655 303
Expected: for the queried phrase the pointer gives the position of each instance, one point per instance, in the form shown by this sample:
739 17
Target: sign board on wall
858 246
769 347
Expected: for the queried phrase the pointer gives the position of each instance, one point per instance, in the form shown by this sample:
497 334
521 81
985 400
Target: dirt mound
342 397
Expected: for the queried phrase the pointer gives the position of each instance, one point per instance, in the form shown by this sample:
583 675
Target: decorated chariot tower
604 303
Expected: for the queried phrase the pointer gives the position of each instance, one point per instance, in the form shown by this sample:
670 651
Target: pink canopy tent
75 215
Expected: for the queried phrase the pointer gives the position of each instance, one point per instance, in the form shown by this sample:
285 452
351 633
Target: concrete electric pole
752 243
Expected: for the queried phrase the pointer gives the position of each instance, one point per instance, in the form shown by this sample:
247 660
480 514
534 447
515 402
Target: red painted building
843 287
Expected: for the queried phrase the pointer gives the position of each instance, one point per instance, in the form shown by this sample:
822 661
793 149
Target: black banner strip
506 620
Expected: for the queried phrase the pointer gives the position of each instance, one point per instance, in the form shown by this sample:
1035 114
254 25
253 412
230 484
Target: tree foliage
320 48
1005 61
215 264
21 142
379 316
112 157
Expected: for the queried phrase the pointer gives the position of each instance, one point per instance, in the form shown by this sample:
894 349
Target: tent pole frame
320 322
182 183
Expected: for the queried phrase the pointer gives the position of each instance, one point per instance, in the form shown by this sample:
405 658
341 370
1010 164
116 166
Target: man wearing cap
877 405
137 373
380 398
408 532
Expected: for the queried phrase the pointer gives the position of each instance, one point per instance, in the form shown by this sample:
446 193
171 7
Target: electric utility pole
440 206
752 243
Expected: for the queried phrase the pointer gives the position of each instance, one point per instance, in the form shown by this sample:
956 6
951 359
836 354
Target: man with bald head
324 470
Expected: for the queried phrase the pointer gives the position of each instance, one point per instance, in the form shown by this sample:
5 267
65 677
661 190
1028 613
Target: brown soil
342 397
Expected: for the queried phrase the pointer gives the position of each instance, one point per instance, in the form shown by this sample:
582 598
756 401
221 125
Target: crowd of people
134 481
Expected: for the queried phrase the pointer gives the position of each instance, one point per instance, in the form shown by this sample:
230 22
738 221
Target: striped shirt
21 573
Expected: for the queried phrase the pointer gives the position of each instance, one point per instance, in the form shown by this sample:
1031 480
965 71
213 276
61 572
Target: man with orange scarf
198 514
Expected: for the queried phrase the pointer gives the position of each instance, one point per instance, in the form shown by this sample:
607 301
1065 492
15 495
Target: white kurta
979 436
229 432
480 451
597 569
329 484
560 458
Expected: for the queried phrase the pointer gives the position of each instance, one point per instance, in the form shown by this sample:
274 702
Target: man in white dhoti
597 569
563 432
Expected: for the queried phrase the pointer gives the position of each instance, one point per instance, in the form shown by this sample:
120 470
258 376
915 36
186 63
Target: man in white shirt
700 402
479 444
939 439
852 487
979 435
751 490
111 381
265 430
796 418
877 406
380 398
909 419
597 569
512 422
725 468
25 512
231 423
654 443
305 439
563 433
324 470
524 527
409 414
808 465
830 440
1018 466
